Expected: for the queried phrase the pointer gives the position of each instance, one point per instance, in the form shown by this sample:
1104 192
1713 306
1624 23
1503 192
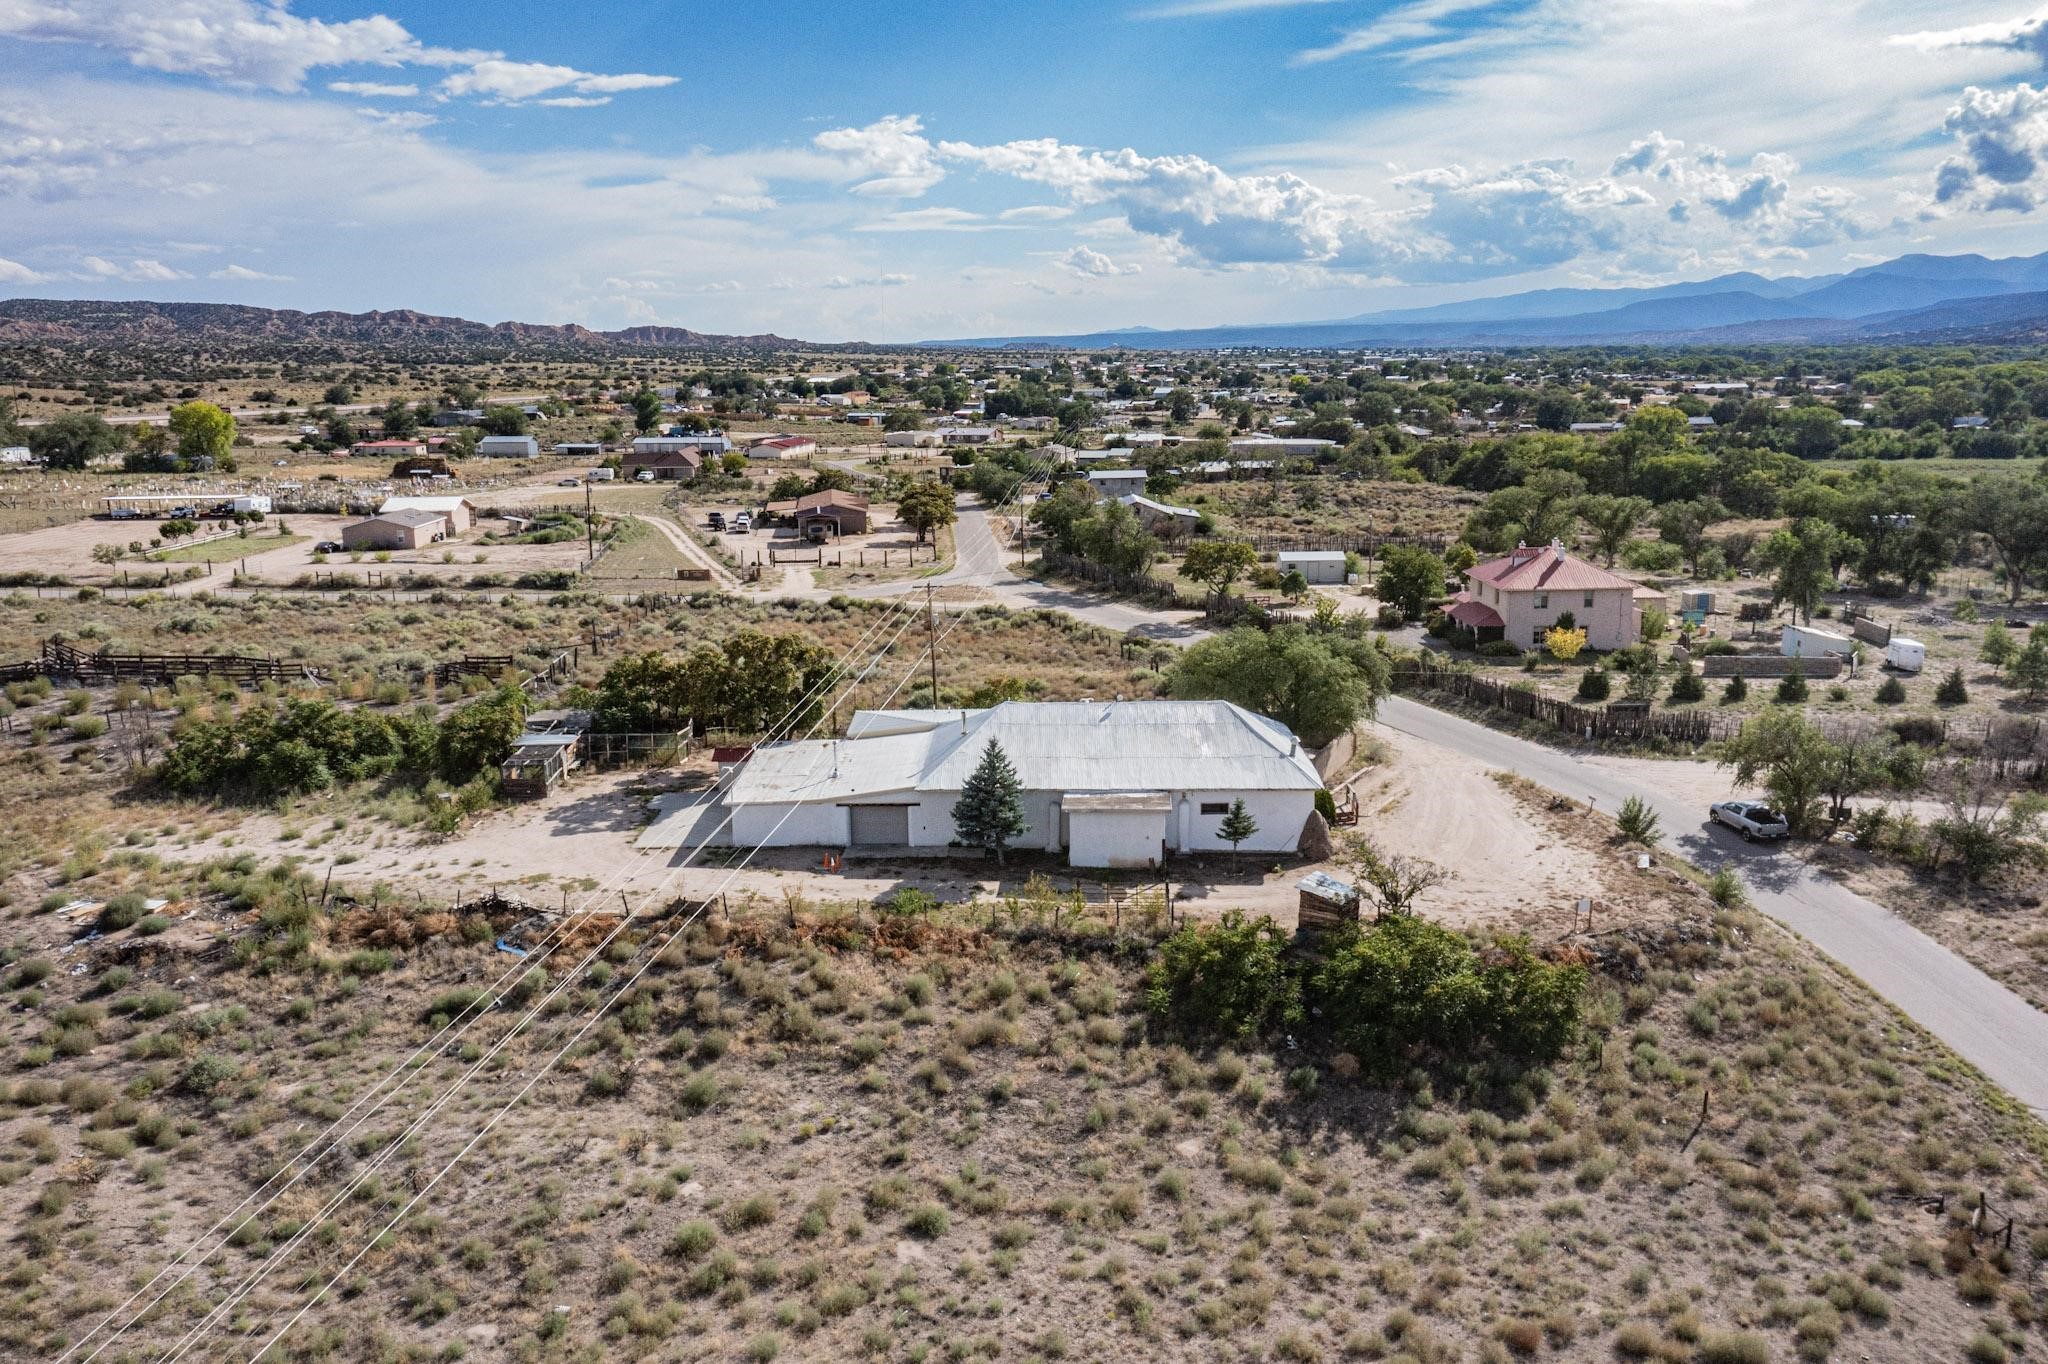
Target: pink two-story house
1520 595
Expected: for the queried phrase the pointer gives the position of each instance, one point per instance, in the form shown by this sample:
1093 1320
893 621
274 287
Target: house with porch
1523 593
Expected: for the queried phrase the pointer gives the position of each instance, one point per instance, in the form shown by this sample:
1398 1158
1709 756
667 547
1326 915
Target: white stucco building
1115 784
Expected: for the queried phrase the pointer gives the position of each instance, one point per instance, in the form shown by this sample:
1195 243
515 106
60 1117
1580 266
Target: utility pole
589 526
931 628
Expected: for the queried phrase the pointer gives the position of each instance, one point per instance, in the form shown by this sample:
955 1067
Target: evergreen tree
1687 687
1891 692
990 812
1736 690
1998 648
1792 689
1952 691
1237 825
2029 669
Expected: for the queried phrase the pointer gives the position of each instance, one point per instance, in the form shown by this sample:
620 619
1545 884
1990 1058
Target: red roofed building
1523 593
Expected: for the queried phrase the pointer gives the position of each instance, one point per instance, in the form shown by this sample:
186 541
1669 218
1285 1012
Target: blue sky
918 170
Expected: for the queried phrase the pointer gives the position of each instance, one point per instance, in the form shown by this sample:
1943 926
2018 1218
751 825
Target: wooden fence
1622 721
59 659
494 666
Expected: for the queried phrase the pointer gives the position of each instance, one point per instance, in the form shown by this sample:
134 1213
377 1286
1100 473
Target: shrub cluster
269 751
1383 991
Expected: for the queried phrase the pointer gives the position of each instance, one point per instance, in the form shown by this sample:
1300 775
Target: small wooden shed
1326 902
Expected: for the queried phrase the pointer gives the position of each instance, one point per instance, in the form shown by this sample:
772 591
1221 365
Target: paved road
1984 1022
981 559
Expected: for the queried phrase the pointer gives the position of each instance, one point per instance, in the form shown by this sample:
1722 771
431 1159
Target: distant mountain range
1912 300
1916 298
68 322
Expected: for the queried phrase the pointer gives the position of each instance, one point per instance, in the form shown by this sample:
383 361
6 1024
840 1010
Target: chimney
1557 548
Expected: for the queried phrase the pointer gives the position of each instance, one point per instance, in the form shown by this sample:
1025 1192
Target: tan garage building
395 530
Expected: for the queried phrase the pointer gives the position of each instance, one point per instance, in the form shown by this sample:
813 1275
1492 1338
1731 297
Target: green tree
646 410
1237 825
205 433
2011 513
2029 669
902 419
1612 520
478 736
1792 759
1219 563
1318 685
1802 559
73 440
1409 579
924 507
1998 648
400 421
1685 524
1952 690
503 421
990 811
644 693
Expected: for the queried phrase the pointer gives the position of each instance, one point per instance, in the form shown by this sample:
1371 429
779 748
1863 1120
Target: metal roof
1118 803
425 504
1067 746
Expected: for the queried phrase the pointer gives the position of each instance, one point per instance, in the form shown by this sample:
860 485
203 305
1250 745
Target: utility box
1907 655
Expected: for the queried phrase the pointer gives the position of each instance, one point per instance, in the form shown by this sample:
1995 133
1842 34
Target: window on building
1542 601
1215 807
1589 599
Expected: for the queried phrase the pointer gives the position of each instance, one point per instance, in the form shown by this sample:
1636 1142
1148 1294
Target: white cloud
2003 158
244 274
14 272
242 42
373 89
238 41
2028 34
1415 23
934 219
141 271
512 82
1089 263
888 281
1036 213
892 152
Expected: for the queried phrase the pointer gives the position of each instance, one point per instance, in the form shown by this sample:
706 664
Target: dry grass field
828 1134
1325 504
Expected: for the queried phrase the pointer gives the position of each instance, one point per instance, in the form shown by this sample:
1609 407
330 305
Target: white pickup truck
1751 818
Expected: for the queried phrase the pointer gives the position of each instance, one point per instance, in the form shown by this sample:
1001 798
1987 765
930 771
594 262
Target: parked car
644 476
568 483
742 523
716 520
184 514
1751 818
329 547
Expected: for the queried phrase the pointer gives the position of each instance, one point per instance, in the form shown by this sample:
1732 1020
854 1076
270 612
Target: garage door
880 826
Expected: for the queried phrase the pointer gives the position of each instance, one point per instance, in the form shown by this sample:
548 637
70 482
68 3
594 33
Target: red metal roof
1549 569
1474 615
